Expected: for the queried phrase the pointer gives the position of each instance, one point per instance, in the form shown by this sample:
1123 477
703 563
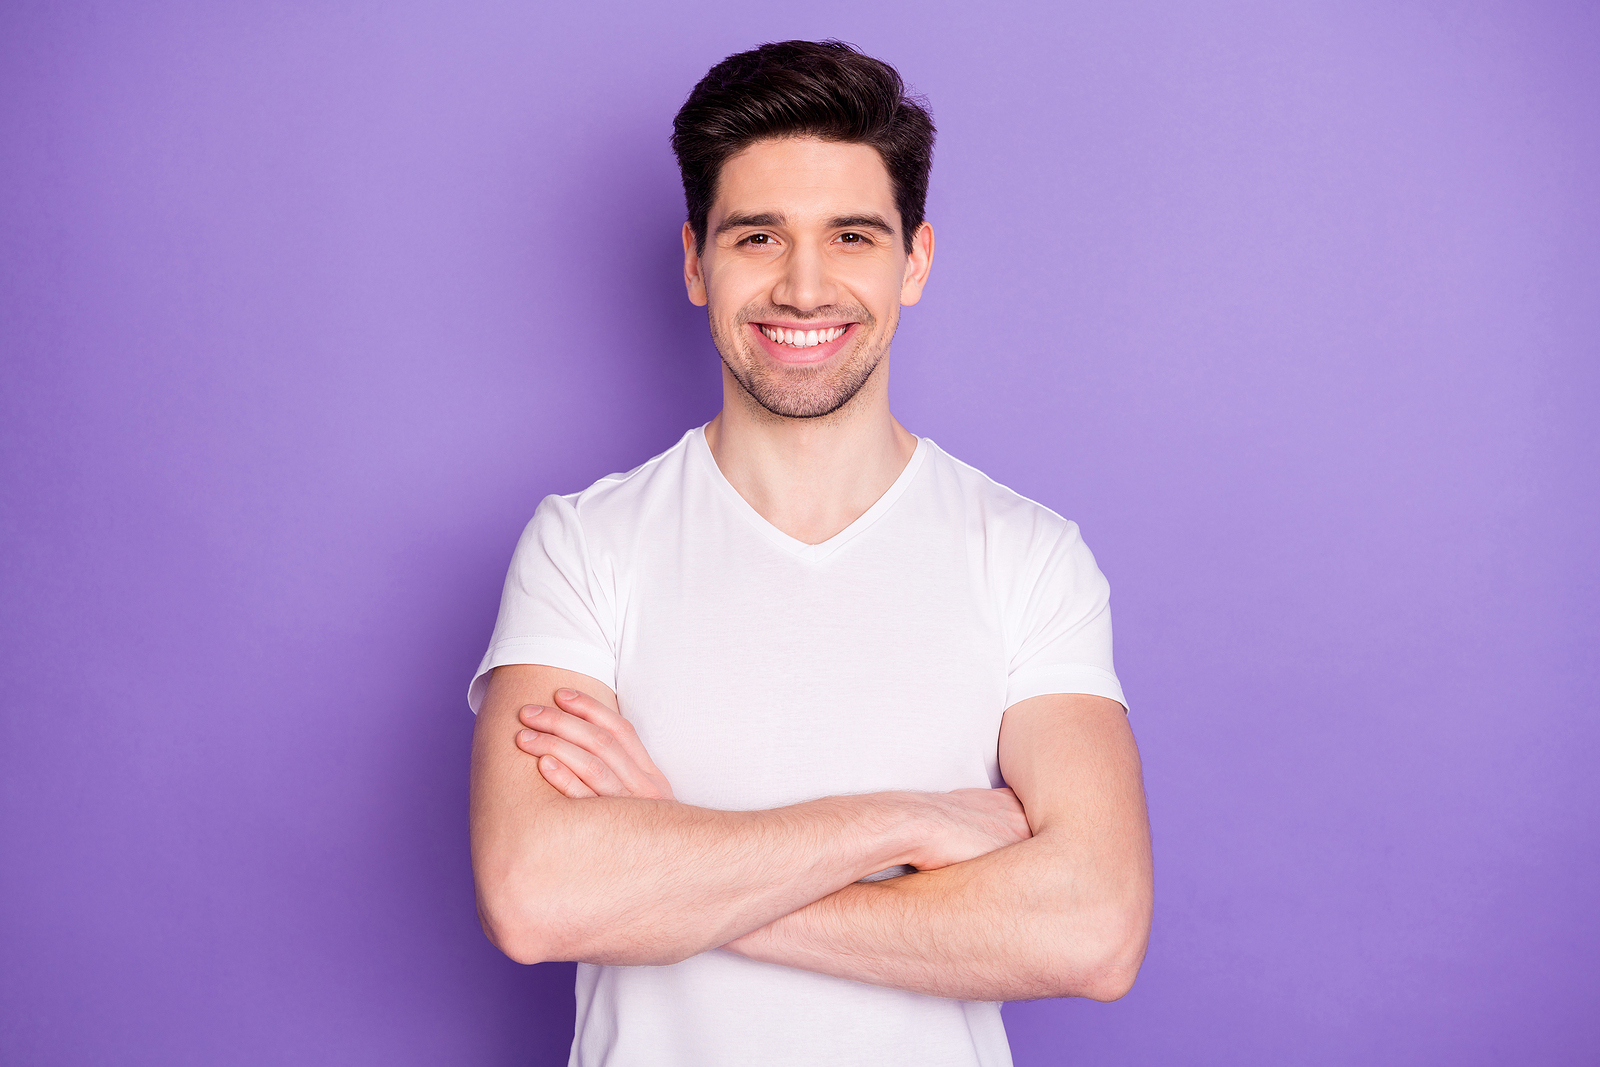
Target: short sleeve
1061 624
553 610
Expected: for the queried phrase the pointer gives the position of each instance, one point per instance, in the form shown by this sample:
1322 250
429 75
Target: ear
693 280
918 264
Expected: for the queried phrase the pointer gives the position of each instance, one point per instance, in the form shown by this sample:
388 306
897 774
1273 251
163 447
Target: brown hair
822 89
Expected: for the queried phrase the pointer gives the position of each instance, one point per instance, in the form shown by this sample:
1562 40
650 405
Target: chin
805 392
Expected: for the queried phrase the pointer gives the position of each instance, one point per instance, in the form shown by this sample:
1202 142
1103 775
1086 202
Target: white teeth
803 338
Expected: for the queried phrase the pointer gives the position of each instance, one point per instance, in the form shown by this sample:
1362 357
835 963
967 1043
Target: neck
811 477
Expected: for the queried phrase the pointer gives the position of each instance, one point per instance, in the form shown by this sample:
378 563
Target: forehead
802 176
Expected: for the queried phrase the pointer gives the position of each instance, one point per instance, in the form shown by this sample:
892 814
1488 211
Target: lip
803 356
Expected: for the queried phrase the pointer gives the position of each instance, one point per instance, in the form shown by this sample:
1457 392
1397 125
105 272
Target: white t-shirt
762 671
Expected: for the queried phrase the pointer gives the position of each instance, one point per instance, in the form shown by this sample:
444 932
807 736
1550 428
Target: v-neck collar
793 545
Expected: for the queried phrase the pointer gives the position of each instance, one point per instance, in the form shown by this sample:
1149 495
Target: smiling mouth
803 338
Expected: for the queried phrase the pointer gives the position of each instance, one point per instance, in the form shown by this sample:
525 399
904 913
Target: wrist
907 827
749 945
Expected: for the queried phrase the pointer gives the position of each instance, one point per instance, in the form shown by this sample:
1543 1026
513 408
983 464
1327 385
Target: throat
810 489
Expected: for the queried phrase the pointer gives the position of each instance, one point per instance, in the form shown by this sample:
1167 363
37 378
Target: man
744 719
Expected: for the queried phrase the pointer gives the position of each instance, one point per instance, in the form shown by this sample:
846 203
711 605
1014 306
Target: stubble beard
804 392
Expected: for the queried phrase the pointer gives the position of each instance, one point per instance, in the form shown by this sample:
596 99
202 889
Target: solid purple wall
304 306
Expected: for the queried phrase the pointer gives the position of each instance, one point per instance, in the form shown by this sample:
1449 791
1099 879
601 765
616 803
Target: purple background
1295 308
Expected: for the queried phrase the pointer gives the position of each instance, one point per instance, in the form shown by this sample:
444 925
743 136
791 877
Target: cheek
882 301
729 291
874 282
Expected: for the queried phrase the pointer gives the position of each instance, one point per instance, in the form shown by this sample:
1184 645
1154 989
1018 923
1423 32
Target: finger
1014 811
588 708
557 774
597 741
607 718
590 769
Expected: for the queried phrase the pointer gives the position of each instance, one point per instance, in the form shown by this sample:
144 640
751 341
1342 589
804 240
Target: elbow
1107 959
530 942
1110 982
519 948
512 931
550 931
1117 969
522 914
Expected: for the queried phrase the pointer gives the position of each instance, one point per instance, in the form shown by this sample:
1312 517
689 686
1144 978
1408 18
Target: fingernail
526 737
566 694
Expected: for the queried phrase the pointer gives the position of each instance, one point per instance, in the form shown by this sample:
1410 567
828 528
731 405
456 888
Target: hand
968 823
586 750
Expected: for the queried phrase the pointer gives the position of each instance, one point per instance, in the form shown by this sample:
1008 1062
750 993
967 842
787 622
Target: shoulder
1007 519
619 502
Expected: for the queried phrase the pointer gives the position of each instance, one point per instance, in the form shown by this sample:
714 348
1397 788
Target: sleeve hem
545 651
1070 678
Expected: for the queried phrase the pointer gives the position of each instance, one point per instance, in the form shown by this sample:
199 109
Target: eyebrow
862 222
734 222
839 222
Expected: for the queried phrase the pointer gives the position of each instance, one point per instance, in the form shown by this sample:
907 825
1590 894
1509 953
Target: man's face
804 271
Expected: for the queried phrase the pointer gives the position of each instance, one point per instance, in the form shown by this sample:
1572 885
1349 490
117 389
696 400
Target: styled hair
822 89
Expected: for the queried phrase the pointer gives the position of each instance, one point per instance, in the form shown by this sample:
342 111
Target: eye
852 238
757 239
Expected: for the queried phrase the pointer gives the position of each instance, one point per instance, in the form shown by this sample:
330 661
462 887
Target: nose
805 283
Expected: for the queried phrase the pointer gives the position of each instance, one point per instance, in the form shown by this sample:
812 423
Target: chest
757 680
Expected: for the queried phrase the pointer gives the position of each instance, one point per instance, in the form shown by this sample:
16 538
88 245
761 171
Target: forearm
1064 913
1020 923
626 881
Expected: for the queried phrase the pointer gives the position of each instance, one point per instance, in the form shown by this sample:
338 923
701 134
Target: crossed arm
1040 890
